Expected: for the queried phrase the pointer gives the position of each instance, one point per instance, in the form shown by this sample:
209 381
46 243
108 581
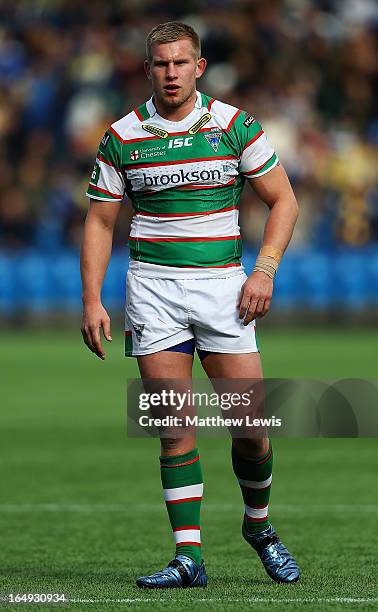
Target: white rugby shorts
163 312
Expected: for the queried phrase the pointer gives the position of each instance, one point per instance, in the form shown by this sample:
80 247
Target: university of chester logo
199 124
155 130
134 155
214 138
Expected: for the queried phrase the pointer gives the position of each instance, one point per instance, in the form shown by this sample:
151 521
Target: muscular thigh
166 364
225 365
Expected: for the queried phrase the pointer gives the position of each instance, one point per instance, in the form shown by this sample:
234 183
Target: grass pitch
80 503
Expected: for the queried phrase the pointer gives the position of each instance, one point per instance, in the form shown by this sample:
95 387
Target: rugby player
182 158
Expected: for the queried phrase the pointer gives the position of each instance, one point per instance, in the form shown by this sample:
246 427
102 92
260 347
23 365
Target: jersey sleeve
257 155
107 182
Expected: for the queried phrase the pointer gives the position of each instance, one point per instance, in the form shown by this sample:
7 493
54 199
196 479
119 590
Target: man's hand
95 317
255 297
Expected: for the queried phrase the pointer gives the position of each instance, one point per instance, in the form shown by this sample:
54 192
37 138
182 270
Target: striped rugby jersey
184 179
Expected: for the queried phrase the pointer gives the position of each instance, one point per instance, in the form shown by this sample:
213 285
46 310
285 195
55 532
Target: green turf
80 503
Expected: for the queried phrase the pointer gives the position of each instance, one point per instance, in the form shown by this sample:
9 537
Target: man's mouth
171 89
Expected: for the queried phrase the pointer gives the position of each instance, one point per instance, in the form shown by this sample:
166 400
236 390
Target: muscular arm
95 254
275 191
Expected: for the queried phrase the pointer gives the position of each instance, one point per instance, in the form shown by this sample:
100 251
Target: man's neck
176 113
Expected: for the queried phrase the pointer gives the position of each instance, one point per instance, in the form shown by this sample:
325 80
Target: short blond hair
170 32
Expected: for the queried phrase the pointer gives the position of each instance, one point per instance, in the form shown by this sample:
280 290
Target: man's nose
171 71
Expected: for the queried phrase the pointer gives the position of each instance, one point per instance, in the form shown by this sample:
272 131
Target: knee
176 446
251 447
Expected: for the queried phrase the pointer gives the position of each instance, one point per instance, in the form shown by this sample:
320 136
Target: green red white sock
255 477
181 477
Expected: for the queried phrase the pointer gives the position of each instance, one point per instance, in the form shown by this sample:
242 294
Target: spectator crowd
307 69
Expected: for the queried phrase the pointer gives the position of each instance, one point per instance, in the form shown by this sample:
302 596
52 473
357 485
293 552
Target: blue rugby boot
181 573
279 564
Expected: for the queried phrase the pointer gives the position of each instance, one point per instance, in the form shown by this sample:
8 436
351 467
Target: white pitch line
159 507
270 600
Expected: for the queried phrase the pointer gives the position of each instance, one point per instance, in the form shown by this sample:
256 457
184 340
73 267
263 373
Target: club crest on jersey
139 331
214 138
155 130
199 124
134 155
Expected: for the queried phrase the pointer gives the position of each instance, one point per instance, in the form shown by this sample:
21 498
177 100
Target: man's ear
201 67
147 69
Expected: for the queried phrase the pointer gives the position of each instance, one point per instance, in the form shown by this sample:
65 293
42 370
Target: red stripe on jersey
260 133
188 214
210 103
178 239
108 163
114 195
112 130
136 111
259 168
181 464
184 499
233 120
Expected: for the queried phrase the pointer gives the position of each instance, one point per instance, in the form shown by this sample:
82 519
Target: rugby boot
279 564
181 573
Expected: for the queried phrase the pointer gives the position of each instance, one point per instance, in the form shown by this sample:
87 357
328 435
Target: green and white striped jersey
184 179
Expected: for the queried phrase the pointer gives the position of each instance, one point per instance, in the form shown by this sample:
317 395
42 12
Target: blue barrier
42 282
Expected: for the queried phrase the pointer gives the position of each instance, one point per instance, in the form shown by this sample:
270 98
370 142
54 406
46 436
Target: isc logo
176 143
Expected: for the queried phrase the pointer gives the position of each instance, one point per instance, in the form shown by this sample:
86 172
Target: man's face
173 71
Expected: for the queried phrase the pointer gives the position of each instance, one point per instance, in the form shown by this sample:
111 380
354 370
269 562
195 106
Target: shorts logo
249 120
134 155
214 139
105 139
199 124
138 329
155 130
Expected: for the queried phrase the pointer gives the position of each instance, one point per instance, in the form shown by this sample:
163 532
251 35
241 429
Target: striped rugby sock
181 477
255 477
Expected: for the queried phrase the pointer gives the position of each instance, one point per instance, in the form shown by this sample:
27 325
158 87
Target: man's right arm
94 259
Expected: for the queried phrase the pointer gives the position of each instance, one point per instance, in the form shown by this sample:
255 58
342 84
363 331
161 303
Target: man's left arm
274 189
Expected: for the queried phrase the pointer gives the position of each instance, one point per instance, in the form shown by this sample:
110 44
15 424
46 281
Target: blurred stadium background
72 511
